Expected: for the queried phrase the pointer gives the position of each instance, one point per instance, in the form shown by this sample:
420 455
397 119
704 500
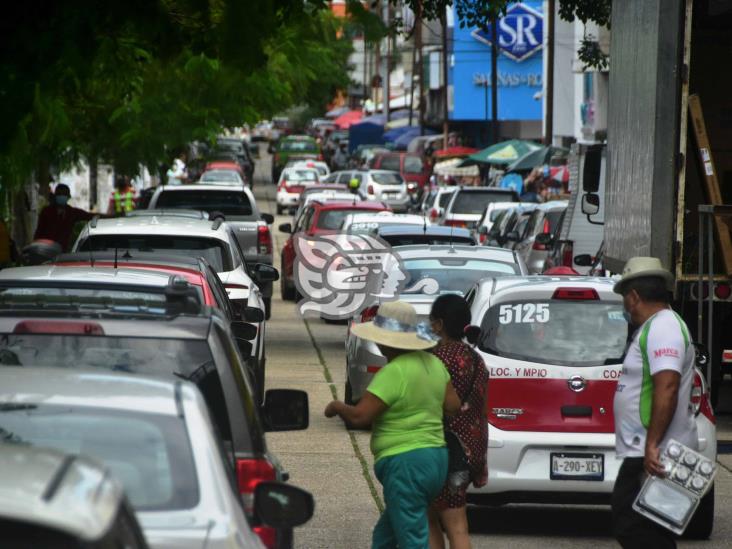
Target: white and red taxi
554 349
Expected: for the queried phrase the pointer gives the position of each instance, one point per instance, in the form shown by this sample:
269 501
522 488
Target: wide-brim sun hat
641 267
395 325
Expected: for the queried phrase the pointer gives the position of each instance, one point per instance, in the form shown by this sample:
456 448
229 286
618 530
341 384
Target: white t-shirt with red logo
661 343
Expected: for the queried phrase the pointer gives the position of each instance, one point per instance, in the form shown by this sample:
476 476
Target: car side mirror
243 330
544 238
285 410
583 260
267 218
281 505
590 203
483 230
252 314
265 273
285 228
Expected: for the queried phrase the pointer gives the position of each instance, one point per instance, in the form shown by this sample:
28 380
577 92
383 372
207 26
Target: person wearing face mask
56 221
652 400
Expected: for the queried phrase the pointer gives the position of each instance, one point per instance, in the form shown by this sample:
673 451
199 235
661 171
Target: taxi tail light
455 223
370 189
700 397
482 237
58 327
434 214
579 294
249 473
264 240
545 230
369 313
722 291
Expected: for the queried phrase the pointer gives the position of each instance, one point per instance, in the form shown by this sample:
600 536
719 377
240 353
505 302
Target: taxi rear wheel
702 523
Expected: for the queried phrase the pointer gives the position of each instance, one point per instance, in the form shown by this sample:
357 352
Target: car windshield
298 146
451 275
413 164
227 176
386 178
149 453
475 202
305 175
556 332
234 202
211 249
390 162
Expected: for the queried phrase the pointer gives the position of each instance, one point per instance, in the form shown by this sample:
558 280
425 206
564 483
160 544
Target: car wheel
702 522
348 396
267 307
279 209
286 291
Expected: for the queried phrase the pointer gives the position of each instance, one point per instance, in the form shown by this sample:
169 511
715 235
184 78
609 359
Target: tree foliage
126 81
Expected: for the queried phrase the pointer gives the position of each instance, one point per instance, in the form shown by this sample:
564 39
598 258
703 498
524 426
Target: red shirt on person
57 223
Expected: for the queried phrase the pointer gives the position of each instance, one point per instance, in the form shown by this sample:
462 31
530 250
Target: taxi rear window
558 332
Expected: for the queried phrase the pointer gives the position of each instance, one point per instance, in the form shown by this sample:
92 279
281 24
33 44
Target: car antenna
115 256
452 230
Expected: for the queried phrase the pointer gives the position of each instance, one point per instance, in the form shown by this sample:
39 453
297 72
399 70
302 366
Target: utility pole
385 81
418 40
549 127
411 85
445 106
494 79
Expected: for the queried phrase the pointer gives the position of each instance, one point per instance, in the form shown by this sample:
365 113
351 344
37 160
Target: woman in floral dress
449 319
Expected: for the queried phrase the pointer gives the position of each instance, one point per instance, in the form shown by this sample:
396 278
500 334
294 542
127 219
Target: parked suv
155 338
249 225
467 204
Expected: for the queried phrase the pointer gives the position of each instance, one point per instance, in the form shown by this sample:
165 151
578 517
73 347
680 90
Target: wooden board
710 178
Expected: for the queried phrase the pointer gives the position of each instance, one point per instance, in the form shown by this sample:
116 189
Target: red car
225 166
412 166
317 218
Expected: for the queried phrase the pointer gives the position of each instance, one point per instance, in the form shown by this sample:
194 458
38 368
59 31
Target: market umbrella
452 152
537 157
505 152
336 112
396 133
346 119
403 141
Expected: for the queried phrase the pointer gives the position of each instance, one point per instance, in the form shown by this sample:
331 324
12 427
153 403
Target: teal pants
411 482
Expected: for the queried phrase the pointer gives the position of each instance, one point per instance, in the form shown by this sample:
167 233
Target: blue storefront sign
520 66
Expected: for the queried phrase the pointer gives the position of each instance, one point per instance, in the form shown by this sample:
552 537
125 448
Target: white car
156 437
554 348
491 213
214 240
291 183
364 223
384 186
429 271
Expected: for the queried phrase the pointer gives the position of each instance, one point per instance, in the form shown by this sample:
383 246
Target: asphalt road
336 466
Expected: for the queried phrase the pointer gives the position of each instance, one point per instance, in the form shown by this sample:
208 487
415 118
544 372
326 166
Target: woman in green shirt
404 404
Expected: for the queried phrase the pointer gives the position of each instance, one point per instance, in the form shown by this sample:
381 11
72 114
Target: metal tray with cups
671 501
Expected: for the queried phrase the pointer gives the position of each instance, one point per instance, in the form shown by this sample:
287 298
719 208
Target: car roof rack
93 222
185 213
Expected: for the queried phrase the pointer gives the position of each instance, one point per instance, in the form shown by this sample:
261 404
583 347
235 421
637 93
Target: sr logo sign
520 32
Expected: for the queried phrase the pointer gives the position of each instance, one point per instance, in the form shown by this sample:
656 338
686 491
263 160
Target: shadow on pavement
541 520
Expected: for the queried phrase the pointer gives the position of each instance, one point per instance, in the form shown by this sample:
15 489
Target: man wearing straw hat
652 401
404 404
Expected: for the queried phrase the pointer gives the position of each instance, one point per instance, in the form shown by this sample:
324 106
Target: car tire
279 209
267 307
702 523
287 292
348 394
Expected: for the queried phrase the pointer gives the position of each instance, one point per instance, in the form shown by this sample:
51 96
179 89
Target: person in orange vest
123 199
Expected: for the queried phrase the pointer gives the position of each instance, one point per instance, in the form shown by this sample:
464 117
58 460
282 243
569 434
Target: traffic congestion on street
327 286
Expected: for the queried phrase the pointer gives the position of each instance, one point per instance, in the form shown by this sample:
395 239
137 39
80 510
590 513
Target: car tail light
281 185
722 291
320 156
700 398
434 214
249 473
57 327
264 240
370 189
546 230
578 294
482 237
568 254
369 313
455 223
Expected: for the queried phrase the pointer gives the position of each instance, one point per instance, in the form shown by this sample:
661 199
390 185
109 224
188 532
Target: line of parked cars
133 407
